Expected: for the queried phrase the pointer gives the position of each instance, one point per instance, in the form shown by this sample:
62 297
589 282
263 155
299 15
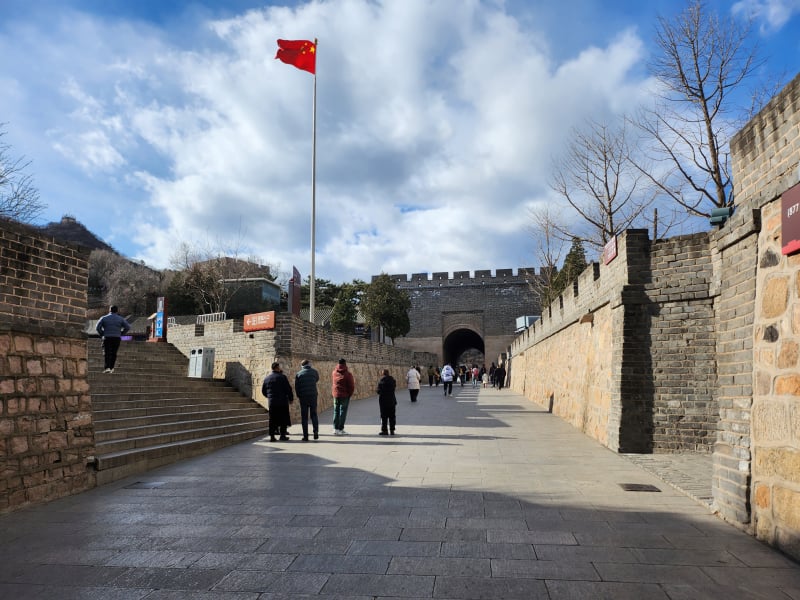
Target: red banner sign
790 220
610 250
259 321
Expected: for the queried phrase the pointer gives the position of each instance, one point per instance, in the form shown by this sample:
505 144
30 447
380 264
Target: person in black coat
387 402
278 390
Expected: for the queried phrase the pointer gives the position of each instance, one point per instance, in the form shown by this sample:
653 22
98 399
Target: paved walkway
482 495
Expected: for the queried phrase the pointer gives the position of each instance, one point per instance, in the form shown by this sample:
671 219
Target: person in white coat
413 377
448 374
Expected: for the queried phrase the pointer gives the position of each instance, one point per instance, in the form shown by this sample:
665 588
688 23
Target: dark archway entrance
463 346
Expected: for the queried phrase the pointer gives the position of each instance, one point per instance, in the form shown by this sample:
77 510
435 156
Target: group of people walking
447 375
280 395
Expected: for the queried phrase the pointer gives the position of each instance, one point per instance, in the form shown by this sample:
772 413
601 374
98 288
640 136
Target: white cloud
436 126
773 14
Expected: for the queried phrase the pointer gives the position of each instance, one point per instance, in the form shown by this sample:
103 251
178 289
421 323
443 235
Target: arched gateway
466 319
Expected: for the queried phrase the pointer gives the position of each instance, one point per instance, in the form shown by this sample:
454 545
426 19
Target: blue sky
156 123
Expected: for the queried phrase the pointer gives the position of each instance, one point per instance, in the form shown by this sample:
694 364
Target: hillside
71 231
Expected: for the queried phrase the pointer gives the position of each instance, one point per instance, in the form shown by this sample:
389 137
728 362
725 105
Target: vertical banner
160 321
294 292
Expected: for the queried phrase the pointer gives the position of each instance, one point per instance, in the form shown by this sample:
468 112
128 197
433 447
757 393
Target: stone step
149 413
113 466
122 418
160 438
156 385
101 401
191 422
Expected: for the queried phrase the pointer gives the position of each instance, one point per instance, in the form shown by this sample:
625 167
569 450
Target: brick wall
244 359
679 318
764 415
627 353
46 432
764 154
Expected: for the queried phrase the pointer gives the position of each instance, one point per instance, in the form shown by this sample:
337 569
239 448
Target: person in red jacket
342 388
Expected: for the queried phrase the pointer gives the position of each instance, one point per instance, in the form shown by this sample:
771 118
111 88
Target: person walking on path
278 390
475 376
431 376
387 402
305 386
413 383
448 374
500 376
342 387
111 328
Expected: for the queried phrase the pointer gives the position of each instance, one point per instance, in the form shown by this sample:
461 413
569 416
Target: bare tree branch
702 59
19 198
599 180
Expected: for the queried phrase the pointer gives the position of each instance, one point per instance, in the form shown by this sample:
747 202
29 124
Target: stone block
770 421
788 354
786 507
787 385
780 463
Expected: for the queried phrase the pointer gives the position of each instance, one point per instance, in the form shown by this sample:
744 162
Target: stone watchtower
463 319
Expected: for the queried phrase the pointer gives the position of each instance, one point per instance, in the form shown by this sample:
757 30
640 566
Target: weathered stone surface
787 385
762 496
786 504
783 463
770 421
775 297
787 357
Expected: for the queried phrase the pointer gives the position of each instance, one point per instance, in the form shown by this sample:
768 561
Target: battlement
524 275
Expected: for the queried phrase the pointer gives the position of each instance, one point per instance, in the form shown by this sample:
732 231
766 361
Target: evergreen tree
345 310
384 304
574 264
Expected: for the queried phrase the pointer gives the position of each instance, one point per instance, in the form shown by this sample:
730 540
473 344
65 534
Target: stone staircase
148 413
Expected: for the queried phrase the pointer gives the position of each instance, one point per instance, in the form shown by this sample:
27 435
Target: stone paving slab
480 495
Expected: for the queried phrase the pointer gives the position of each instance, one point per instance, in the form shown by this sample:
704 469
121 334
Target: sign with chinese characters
259 321
790 220
610 250
159 321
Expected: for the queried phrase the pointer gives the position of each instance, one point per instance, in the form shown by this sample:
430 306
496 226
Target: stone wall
679 318
704 341
243 359
628 353
46 431
485 304
766 159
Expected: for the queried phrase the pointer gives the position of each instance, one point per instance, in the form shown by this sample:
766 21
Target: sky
437 121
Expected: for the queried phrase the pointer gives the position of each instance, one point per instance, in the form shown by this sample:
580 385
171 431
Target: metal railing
210 318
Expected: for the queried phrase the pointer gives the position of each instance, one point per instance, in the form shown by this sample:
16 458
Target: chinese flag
300 53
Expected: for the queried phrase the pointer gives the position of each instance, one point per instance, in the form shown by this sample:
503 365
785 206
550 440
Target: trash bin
201 362
206 360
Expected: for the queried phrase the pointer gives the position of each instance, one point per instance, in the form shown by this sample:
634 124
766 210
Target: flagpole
313 188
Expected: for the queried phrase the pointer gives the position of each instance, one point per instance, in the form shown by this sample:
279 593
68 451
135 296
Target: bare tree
702 60
599 180
19 199
214 274
549 249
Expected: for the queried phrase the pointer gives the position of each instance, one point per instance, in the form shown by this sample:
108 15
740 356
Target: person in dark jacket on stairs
278 390
111 328
305 385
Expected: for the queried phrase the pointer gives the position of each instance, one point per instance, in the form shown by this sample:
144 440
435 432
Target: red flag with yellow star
300 53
